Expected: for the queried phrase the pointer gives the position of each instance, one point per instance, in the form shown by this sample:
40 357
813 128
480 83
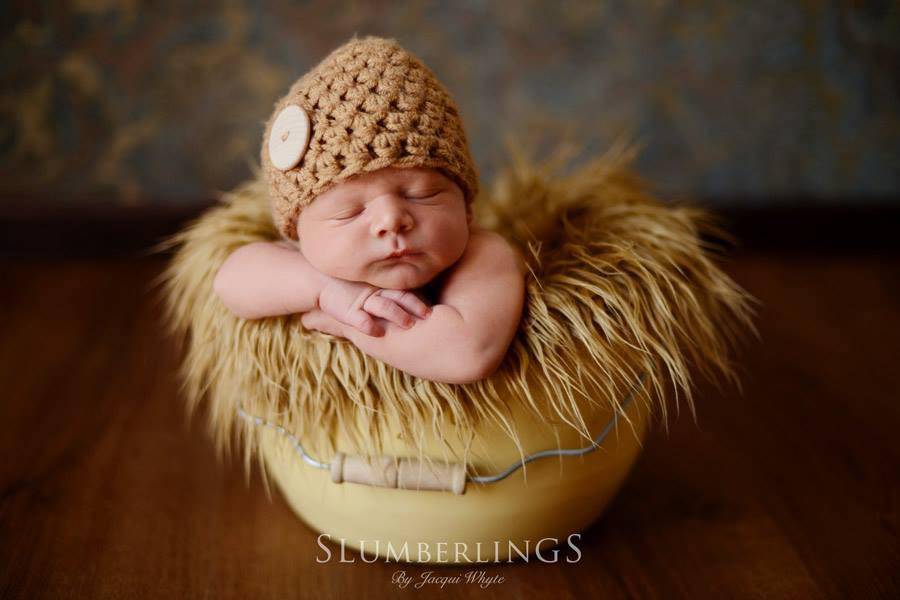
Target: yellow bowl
526 514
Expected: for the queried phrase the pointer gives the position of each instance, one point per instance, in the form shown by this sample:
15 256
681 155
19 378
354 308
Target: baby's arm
470 329
265 279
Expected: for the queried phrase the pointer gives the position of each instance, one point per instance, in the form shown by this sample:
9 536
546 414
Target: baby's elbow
226 288
464 374
477 358
486 354
474 371
477 364
221 283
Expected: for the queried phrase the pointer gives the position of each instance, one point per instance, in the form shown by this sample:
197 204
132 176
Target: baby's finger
364 322
309 320
379 306
319 321
408 301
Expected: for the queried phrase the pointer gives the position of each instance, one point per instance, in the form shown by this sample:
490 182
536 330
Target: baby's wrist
323 281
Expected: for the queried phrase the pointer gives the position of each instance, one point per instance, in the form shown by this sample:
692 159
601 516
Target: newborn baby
372 182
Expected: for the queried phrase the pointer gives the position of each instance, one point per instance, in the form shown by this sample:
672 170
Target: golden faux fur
620 287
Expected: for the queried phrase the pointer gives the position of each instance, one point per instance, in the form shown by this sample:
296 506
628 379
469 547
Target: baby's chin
400 277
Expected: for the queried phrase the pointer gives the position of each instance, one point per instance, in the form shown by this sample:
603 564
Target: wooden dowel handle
403 473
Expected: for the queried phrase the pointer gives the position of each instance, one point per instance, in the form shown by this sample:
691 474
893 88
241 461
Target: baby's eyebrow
429 182
344 200
327 208
342 207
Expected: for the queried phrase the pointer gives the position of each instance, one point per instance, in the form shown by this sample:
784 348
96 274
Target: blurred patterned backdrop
734 102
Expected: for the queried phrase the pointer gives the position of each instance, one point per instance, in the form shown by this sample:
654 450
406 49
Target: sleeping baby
372 184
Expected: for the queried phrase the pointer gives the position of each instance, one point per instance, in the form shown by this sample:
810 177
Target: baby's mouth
400 254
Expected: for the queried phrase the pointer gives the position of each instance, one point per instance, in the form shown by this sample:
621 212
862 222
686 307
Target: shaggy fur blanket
622 288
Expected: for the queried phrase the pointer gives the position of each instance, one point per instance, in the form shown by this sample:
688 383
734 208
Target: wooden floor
787 490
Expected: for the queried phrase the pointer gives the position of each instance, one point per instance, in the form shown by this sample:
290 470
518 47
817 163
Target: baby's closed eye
347 216
422 195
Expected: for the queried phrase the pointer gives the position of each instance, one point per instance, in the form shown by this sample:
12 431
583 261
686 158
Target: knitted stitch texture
371 105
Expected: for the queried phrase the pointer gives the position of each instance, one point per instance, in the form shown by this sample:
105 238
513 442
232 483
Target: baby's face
351 230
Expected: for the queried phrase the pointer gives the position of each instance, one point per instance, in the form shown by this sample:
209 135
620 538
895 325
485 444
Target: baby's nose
391 217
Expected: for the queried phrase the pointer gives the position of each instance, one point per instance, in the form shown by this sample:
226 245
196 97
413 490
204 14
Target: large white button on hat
289 137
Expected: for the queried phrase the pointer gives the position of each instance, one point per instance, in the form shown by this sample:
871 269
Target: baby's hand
354 303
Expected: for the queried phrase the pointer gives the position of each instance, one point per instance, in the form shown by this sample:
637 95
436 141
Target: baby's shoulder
489 248
488 257
485 240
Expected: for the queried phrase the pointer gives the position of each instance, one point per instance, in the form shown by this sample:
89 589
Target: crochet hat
368 105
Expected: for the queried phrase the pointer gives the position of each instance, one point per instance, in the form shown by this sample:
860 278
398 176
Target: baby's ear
469 214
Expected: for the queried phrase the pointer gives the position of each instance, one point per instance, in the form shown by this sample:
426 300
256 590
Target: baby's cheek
336 258
449 250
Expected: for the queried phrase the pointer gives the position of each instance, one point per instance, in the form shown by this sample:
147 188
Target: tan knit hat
369 104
